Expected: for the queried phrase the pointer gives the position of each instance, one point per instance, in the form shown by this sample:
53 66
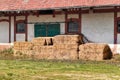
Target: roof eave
112 5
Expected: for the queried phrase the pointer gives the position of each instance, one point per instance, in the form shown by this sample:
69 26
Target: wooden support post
66 16
15 28
37 13
54 13
115 25
9 29
26 32
79 20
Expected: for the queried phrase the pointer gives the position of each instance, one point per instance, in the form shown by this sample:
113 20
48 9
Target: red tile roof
8 5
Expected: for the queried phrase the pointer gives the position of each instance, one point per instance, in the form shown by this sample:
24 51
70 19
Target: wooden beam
106 10
76 11
14 28
84 11
103 10
9 29
26 32
115 25
80 20
66 16
54 13
4 20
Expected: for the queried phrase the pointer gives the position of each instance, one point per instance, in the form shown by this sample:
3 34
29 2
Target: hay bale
42 41
66 54
46 49
37 48
45 53
23 46
94 51
27 53
67 39
58 39
66 46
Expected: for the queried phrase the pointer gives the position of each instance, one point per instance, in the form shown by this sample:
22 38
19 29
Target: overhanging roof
15 5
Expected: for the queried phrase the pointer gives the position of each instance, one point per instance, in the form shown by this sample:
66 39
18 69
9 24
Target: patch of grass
58 70
7 54
5 51
24 68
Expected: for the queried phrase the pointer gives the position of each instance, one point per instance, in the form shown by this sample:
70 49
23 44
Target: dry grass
58 70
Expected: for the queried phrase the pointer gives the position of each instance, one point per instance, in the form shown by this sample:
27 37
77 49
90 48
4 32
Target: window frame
20 21
117 27
76 20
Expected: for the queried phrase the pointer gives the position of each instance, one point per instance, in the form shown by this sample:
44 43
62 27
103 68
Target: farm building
23 20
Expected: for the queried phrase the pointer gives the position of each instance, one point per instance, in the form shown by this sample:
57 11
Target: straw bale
46 49
66 46
28 53
66 54
59 46
67 39
58 39
37 48
23 45
16 43
46 52
72 46
94 51
41 41
17 48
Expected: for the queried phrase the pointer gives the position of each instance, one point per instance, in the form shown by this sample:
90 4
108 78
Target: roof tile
8 5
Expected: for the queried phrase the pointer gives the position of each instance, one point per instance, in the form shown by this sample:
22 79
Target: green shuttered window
46 30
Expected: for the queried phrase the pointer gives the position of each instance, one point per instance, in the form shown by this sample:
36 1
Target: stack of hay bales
66 47
41 41
45 53
37 43
42 47
23 47
94 51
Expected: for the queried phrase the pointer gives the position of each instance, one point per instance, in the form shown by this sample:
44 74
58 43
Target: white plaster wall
4 32
20 37
30 32
73 16
98 27
20 18
12 29
62 28
118 14
4 17
115 48
45 18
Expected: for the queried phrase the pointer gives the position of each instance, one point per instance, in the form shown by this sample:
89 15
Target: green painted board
40 30
53 29
46 30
